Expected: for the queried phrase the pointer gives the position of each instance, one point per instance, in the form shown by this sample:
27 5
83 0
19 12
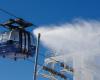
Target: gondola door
24 41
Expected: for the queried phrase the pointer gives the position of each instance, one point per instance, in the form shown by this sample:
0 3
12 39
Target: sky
42 12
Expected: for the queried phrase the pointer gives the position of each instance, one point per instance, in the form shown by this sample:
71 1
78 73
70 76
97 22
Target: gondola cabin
17 42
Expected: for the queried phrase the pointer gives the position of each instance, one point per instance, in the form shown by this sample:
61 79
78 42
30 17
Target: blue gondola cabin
17 42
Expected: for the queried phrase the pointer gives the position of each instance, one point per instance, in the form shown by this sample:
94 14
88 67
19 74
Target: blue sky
42 12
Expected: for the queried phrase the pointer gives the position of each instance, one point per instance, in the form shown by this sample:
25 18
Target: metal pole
36 58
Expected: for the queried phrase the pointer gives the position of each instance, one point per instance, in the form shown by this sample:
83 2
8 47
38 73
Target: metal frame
36 57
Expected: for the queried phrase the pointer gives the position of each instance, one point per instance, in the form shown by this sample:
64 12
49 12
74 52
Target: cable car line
9 13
